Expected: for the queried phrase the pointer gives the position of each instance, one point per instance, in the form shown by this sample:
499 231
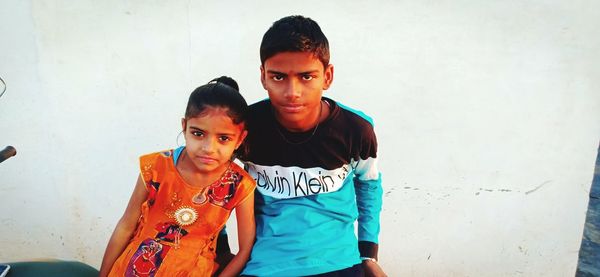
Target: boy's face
295 82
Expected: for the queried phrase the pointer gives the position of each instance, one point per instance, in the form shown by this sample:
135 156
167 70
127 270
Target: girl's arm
125 227
246 228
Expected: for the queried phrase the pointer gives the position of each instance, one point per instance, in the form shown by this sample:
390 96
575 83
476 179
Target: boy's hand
372 269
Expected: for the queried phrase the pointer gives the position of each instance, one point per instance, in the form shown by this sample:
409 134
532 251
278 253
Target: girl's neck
191 176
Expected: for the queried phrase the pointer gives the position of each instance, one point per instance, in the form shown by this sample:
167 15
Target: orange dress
179 223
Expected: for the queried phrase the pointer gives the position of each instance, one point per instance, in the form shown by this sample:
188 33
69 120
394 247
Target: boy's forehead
293 61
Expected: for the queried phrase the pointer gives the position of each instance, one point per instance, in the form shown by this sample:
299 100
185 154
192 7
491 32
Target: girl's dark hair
222 92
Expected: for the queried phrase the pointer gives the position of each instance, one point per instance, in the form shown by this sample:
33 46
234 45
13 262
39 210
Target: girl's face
211 138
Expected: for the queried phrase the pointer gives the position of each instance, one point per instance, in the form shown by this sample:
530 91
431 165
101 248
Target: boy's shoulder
347 118
352 113
260 105
263 107
259 113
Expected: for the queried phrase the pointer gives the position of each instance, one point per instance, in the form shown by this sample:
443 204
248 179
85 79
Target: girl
183 197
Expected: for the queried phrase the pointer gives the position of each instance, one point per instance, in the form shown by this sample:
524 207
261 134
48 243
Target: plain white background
486 113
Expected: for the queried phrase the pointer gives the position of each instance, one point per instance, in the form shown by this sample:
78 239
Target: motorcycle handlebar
8 152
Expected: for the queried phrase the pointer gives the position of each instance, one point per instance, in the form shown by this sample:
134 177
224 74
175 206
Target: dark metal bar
8 152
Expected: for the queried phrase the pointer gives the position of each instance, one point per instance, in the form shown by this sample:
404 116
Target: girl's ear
183 125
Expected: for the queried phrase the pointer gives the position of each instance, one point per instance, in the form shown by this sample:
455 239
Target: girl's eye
277 78
197 133
307 77
224 138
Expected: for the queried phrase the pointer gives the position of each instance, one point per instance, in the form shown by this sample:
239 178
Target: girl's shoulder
245 183
244 175
153 164
160 154
245 180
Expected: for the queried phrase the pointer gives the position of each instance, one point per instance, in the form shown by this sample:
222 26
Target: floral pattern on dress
222 191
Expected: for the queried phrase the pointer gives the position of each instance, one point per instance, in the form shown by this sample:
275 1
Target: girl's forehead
213 117
211 111
214 110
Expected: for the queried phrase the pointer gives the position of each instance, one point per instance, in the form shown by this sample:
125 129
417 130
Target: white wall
486 112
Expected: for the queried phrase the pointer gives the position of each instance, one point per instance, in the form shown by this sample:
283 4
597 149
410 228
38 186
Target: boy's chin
295 125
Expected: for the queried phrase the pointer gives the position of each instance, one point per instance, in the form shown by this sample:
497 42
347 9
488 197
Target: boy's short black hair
295 33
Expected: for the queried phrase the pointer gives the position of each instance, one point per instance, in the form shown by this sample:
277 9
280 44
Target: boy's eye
224 138
307 77
277 77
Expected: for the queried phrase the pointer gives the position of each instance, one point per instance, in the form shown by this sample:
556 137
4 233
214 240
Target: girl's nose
208 146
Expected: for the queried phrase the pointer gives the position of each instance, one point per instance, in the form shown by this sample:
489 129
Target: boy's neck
322 113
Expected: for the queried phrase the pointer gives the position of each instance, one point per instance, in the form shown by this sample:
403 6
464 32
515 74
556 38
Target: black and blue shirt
311 189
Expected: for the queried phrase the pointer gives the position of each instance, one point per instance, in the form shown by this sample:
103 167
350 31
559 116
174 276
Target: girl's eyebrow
219 134
226 134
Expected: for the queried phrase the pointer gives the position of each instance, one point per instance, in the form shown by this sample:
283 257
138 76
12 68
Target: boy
314 162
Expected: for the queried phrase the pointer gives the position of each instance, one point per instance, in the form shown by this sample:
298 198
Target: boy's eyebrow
275 72
299 73
308 72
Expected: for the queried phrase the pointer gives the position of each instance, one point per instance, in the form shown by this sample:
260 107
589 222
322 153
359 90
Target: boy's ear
242 138
262 76
328 75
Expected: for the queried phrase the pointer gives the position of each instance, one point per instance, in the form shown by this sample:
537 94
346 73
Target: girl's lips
205 159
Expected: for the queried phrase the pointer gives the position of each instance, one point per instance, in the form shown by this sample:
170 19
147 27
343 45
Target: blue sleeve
369 201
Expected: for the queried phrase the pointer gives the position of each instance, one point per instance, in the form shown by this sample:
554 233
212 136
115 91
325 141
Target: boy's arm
368 199
125 228
367 182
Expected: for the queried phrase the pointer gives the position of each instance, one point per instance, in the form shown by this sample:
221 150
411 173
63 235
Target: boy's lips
292 108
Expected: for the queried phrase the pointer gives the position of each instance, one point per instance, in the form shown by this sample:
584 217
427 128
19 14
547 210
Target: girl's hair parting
222 92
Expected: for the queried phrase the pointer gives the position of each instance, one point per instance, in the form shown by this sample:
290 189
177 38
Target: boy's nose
292 90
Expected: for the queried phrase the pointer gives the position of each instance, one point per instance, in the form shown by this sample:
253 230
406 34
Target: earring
177 139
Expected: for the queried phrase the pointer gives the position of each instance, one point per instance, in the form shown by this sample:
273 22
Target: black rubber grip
8 152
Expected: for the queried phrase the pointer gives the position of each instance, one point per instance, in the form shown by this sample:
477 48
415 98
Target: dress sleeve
245 187
151 167
236 188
